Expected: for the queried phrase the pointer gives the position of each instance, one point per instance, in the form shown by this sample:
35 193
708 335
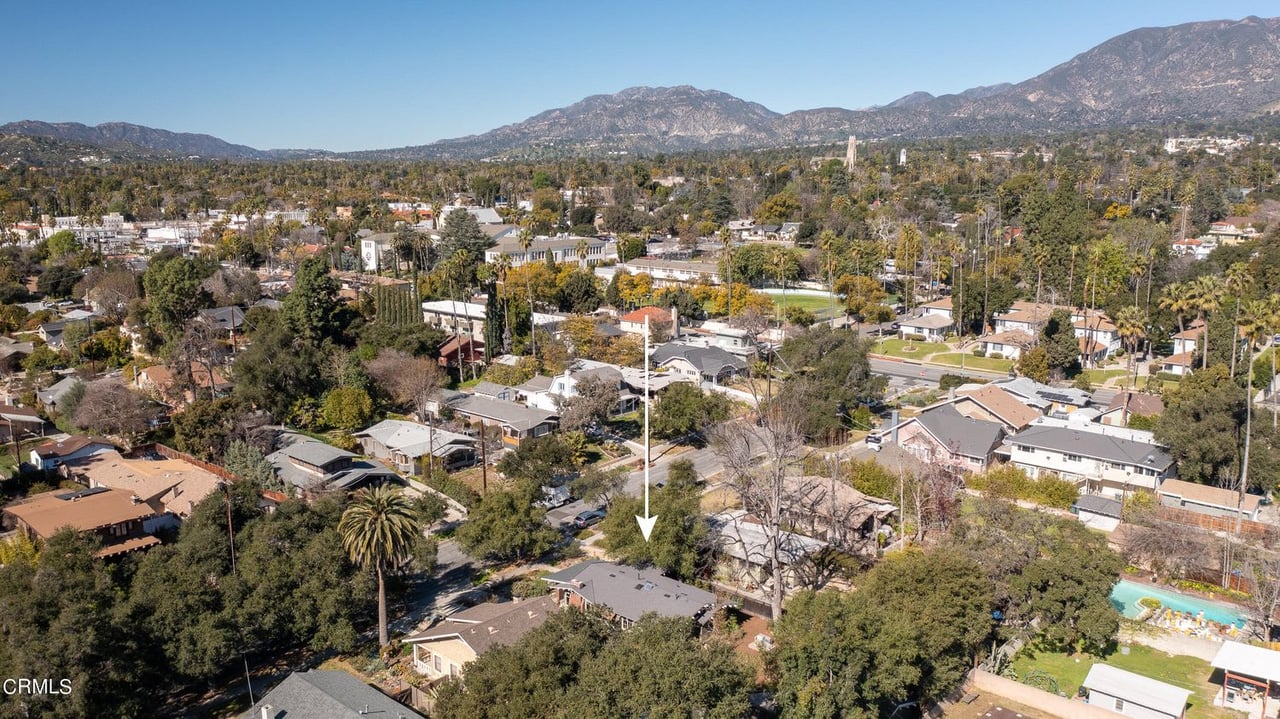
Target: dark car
896 325
588 518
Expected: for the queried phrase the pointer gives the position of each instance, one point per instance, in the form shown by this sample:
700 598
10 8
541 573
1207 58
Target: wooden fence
1248 527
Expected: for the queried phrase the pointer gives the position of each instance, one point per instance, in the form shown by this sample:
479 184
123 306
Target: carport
1249 673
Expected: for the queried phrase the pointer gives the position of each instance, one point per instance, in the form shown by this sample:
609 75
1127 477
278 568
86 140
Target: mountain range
1218 70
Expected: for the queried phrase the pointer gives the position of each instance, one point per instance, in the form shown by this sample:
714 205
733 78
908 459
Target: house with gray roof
929 328
52 396
942 436
1134 695
1053 401
313 467
225 319
406 445
320 694
1099 458
703 364
12 352
443 650
517 421
625 593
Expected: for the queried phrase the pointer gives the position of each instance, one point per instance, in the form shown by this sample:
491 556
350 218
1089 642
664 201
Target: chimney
893 422
268 712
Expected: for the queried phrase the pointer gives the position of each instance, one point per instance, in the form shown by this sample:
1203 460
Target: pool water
1125 596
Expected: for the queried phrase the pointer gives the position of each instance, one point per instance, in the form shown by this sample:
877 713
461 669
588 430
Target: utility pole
484 462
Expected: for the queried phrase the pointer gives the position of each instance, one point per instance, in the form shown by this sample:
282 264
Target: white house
707 364
467 318
561 249
1185 343
1111 460
929 328
674 272
1134 695
372 248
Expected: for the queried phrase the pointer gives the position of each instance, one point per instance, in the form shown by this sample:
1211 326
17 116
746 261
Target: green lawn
1187 672
1098 376
971 362
819 306
917 349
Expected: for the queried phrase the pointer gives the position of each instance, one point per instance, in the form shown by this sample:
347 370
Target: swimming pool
1125 596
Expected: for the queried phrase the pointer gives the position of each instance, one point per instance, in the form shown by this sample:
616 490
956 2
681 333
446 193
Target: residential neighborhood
964 422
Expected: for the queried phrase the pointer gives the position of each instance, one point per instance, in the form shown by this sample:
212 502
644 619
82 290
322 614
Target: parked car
587 518
896 325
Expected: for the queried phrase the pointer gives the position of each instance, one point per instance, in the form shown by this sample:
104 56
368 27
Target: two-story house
1185 343
943 437
115 515
1106 460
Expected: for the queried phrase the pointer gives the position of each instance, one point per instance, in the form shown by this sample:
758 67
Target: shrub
996 355
979 352
526 587
949 381
453 489
1053 491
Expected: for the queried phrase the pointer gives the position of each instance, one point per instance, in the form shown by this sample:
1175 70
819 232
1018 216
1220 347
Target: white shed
1134 695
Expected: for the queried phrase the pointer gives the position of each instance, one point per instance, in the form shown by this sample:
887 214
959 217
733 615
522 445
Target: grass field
1187 672
971 362
1098 376
820 306
915 349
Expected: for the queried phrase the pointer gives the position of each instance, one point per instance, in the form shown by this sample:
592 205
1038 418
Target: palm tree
500 268
1176 298
726 243
1131 326
1206 298
525 238
378 531
583 250
827 243
779 256
1273 327
1238 282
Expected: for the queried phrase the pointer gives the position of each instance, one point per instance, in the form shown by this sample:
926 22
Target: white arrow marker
646 522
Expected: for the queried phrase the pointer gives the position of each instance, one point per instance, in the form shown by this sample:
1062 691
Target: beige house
443 650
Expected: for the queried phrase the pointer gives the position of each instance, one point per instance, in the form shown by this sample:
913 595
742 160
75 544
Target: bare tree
109 408
410 382
1263 571
111 287
763 485
1166 548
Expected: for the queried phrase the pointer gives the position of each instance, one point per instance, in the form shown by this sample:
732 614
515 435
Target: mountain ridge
1203 71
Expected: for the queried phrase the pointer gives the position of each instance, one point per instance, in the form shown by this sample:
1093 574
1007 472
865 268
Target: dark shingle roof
327 695
1095 446
709 360
492 624
958 433
1097 504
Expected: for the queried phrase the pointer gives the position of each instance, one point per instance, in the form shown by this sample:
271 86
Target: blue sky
378 74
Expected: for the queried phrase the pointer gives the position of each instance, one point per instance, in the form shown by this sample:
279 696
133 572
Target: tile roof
1182 359
631 592
655 315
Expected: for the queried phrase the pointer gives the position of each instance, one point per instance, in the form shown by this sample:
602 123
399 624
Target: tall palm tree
1176 298
1238 282
378 531
1273 327
726 245
1206 298
1131 326
779 256
500 268
583 249
827 243
1137 268
525 238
